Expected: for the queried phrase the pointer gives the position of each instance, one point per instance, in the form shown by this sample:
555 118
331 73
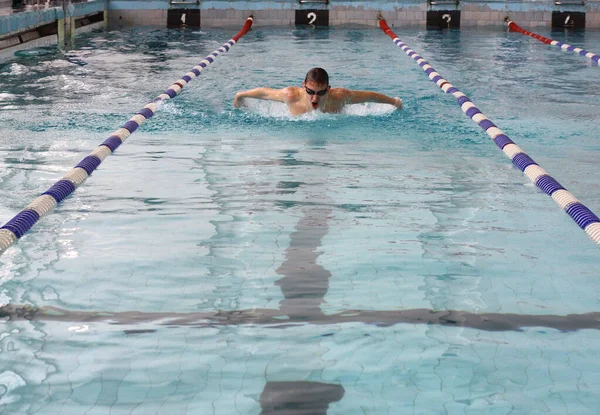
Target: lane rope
47 201
564 46
583 216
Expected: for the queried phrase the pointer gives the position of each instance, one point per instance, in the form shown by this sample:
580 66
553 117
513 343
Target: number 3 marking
312 16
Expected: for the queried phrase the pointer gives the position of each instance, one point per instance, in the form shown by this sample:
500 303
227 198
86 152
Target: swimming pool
227 261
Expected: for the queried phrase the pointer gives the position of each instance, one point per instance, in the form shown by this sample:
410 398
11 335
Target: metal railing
570 3
183 2
443 2
313 1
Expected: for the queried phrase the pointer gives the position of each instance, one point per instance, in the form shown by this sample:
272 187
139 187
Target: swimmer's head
318 76
316 85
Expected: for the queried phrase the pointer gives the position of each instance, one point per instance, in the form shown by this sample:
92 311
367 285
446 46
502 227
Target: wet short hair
318 76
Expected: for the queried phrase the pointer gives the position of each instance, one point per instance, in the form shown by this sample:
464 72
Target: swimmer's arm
269 94
358 97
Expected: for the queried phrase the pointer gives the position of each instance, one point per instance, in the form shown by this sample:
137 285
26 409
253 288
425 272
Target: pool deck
25 24
7 8
402 13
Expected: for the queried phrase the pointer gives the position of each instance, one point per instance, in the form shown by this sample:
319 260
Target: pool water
234 261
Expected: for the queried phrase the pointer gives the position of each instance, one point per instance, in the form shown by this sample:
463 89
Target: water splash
7 97
16 69
9 381
273 109
369 109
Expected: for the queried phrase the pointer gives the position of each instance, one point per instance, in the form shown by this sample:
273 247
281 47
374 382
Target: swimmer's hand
397 103
238 101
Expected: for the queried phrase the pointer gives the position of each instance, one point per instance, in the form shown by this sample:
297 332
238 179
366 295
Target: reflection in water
298 398
316 33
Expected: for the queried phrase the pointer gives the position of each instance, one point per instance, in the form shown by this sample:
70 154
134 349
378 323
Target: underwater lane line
277 319
583 216
15 228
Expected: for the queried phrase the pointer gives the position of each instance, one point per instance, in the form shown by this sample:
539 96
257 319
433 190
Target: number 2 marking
447 18
312 16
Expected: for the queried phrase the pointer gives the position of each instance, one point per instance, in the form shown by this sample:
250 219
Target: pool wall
44 25
400 13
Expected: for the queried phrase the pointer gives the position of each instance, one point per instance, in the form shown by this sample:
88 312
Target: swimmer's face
315 92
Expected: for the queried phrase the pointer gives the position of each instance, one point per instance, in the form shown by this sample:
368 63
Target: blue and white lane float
513 26
583 216
24 220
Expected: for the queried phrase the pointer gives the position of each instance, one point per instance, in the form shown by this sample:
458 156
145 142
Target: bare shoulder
340 93
291 94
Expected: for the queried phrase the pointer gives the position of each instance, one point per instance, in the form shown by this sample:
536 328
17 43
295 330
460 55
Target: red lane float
582 52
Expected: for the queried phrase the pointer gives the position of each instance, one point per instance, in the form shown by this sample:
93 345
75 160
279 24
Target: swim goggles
319 93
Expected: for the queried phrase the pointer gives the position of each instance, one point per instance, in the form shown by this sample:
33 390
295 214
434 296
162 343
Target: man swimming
315 94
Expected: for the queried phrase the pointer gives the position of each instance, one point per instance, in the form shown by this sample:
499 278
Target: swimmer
315 94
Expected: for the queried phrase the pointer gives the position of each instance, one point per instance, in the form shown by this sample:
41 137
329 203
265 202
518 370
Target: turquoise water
236 261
